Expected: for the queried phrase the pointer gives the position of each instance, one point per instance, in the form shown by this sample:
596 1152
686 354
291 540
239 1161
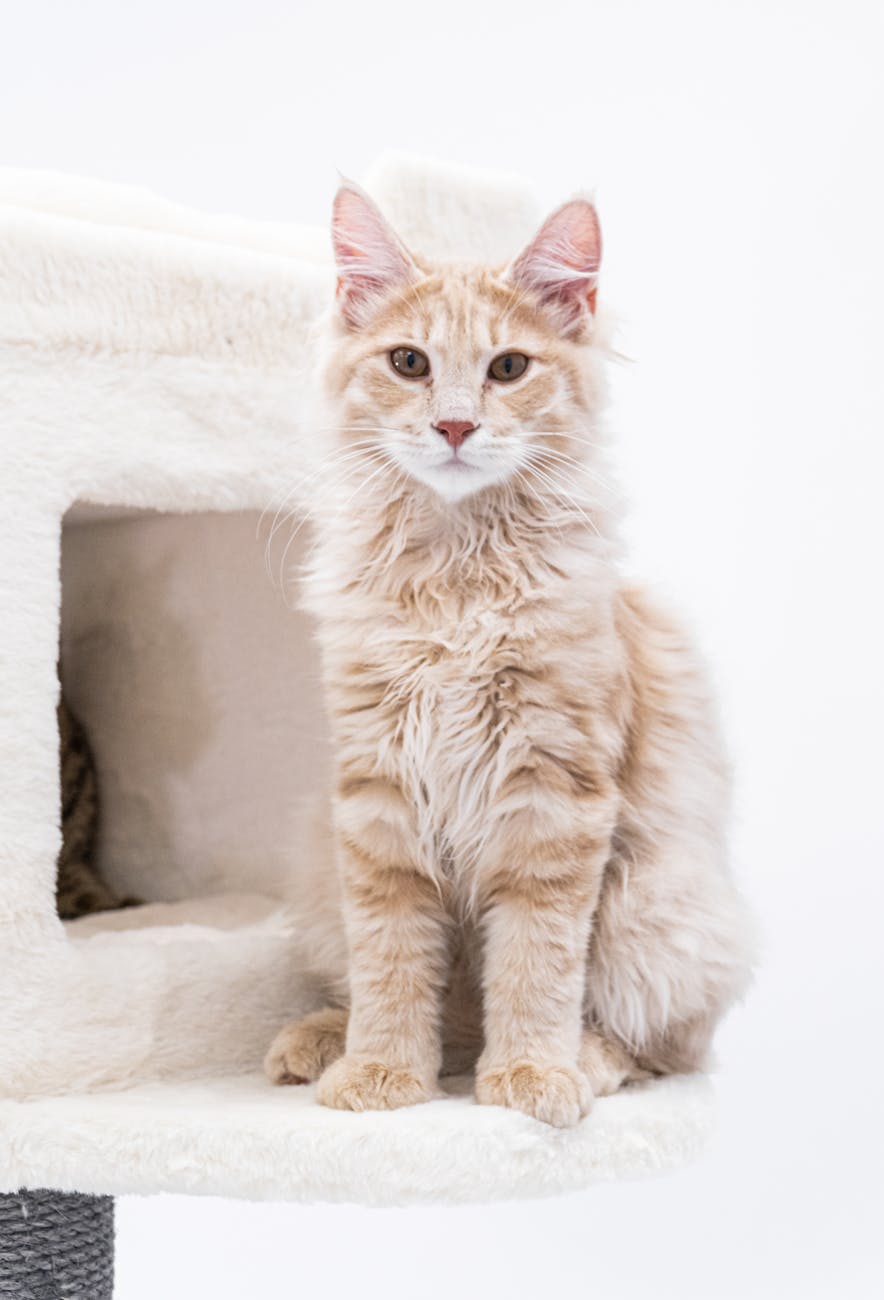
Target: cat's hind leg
607 1064
302 1050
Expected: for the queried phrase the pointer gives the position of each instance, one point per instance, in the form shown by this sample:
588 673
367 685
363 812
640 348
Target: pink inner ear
371 261
561 263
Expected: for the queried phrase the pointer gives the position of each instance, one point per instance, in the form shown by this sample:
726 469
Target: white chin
454 482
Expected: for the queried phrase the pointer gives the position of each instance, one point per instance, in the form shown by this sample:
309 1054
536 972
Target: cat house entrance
197 687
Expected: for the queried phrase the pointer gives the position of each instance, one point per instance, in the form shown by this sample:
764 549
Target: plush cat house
151 382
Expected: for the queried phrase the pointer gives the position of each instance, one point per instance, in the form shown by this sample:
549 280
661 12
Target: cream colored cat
530 797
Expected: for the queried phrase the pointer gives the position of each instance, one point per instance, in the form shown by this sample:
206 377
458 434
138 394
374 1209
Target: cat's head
463 376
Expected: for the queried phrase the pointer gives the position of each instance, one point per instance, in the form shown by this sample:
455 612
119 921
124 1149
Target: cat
530 796
80 889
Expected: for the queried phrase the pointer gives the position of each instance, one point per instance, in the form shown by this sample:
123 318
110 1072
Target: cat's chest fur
443 710
444 697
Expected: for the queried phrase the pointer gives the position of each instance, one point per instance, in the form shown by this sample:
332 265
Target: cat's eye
410 362
509 365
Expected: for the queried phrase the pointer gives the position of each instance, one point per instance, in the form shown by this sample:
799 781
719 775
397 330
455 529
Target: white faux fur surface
152 360
235 1136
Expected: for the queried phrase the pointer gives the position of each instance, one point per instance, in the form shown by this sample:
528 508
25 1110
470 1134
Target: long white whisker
540 455
365 460
336 452
577 434
564 497
343 456
385 464
353 428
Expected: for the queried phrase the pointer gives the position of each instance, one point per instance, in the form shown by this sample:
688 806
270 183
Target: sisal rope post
56 1246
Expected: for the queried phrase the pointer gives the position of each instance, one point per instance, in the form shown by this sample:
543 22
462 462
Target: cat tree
150 409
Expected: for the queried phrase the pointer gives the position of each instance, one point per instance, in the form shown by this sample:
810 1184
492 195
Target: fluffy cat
530 797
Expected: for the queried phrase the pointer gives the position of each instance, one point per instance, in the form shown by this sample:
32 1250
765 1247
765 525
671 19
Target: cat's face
462 376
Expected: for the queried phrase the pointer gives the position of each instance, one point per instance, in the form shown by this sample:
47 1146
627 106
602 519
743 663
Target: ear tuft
561 264
370 258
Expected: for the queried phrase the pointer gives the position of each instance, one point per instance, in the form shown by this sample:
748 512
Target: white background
735 151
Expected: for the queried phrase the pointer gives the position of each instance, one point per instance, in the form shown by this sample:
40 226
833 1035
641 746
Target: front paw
358 1083
556 1094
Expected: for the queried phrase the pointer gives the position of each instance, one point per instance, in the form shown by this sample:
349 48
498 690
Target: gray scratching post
56 1246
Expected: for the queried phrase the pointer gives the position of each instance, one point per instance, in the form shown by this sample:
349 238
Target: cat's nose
455 430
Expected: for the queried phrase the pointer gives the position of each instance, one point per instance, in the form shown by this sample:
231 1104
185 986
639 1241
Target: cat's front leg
398 933
541 892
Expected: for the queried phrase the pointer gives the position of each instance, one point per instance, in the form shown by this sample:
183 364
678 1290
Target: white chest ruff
445 744
448 757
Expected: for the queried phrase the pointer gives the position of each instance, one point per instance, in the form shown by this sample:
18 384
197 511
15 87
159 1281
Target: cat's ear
561 264
370 258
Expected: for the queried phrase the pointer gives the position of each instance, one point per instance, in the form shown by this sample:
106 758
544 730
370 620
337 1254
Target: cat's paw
358 1083
556 1094
302 1050
607 1064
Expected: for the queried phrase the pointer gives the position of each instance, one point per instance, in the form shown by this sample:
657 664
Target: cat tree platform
233 1135
152 366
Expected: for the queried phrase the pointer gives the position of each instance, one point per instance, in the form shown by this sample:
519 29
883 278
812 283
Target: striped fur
79 887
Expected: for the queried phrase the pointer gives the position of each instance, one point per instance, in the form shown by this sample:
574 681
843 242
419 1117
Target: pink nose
455 430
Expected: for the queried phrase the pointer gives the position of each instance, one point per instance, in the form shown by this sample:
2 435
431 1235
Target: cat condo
151 382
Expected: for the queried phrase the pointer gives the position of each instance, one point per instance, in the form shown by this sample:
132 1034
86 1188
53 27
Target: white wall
735 153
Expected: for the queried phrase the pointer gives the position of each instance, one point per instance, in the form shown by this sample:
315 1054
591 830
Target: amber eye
410 363
509 365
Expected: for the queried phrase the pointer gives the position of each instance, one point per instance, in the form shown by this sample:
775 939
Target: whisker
353 428
340 457
330 459
353 469
577 434
543 454
385 463
565 497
